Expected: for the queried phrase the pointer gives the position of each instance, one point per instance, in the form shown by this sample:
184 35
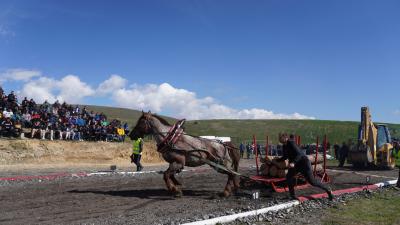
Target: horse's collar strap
172 136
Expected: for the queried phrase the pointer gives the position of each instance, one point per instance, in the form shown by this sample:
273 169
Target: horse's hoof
227 194
178 194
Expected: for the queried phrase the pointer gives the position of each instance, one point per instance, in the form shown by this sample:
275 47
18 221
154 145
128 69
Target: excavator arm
369 150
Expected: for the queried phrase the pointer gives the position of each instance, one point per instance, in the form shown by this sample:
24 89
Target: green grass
242 130
382 208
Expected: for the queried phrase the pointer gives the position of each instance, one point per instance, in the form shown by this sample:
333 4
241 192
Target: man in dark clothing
336 148
7 128
11 97
137 153
32 105
25 103
248 149
36 126
298 163
241 150
343 152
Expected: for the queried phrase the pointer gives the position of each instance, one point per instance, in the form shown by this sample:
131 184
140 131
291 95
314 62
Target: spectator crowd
56 121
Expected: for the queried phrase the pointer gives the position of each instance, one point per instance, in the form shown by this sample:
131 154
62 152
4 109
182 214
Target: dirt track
142 199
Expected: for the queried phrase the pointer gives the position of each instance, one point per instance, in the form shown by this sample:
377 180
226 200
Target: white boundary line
230 218
131 173
386 183
364 174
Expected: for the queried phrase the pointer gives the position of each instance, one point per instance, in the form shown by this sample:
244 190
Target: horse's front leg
170 179
229 185
176 182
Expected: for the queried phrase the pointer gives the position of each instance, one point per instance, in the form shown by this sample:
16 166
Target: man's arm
299 153
285 154
141 146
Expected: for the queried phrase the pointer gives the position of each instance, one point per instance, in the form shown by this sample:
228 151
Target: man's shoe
330 196
293 197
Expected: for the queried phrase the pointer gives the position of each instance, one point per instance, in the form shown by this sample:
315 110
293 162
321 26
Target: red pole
325 146
299 139
316 156
256 150
267 148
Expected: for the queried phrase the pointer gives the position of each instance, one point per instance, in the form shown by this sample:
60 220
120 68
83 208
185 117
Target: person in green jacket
137 153
396 154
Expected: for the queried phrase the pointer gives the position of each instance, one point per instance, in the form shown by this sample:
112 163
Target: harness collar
174 133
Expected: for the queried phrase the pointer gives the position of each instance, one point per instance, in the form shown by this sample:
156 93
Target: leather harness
174 133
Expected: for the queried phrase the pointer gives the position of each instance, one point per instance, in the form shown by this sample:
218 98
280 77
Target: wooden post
325 149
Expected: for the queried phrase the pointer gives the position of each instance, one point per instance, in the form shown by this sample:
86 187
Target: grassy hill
242 130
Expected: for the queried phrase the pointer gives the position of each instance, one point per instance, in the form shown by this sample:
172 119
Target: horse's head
142 128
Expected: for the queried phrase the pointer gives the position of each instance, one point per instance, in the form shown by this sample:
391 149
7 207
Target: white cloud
40 90
70 89
397 112
115 82
185 104
162 98
19 75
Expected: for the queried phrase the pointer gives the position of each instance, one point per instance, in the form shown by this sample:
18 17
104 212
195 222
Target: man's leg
67 134
341 162
132 158
136 160
42 134
33 133
290 181
306 169
138 164
398 180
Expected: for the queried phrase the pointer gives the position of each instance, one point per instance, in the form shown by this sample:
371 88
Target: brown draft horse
180 149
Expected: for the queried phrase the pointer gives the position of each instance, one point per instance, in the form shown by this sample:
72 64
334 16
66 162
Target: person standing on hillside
137 153
298 163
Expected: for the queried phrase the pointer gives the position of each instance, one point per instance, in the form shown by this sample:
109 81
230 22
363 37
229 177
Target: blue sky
208 59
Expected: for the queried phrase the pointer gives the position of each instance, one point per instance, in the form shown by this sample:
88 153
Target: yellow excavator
374 147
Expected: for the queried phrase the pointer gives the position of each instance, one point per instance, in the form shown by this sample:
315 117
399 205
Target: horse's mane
162 120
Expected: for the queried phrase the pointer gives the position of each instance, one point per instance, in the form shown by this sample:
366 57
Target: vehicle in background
374 146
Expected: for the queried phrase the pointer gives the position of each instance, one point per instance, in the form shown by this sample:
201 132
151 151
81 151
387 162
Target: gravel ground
309 212
143 199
